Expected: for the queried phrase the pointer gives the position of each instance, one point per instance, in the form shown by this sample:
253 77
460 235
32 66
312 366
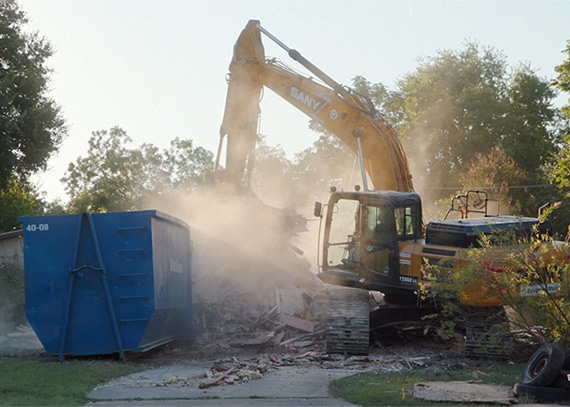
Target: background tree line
466 119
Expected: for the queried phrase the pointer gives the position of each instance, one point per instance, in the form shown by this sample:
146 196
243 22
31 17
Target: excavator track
486 333
348 321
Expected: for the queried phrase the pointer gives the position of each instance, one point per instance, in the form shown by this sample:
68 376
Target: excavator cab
363 232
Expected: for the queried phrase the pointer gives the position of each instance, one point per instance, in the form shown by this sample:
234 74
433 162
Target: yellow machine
374 238
345 113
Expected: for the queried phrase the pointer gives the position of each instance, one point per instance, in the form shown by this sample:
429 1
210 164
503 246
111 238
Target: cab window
406 222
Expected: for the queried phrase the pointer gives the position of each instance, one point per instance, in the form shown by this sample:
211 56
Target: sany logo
308 100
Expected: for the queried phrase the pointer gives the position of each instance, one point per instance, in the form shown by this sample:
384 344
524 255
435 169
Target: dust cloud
256 248
246 254
422 180
437 190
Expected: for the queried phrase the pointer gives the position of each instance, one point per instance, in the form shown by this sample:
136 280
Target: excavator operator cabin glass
376 223
358 233
344 233
406 222
377 239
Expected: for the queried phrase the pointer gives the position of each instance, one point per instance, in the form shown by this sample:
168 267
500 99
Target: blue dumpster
107 283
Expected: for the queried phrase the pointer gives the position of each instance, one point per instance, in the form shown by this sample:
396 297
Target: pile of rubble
293 318
235 370
255 298
291 332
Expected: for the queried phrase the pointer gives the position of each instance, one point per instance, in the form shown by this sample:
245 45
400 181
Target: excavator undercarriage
354 318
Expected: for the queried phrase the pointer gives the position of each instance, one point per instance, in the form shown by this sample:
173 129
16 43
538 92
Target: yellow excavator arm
342 111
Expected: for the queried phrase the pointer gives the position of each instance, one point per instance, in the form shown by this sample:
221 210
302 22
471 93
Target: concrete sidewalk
175 386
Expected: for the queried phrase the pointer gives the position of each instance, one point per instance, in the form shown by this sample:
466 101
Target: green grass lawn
395 389
34 381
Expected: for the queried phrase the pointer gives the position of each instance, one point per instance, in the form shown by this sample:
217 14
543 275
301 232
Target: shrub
528 279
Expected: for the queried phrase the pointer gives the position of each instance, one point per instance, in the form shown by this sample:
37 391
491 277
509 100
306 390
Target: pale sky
157 68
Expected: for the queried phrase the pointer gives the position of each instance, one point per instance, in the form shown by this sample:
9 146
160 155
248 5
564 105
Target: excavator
373 238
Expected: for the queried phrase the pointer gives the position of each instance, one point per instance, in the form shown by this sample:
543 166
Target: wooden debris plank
279 338
259 339
297 323
218 380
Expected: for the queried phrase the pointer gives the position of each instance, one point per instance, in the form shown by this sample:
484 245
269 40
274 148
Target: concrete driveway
175 386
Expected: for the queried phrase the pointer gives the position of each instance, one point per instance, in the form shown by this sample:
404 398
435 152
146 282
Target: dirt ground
395 351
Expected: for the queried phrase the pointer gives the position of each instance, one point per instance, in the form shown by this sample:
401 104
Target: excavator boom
342 111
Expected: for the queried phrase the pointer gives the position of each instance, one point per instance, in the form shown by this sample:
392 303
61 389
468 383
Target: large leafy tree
559 172
451 102
113 176
31 125
562 81
17 198
186 166
459 104
495 172
530 136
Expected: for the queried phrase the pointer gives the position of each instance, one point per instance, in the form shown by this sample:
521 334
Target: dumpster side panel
172 282
88 325
127 252
91 280
48 255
